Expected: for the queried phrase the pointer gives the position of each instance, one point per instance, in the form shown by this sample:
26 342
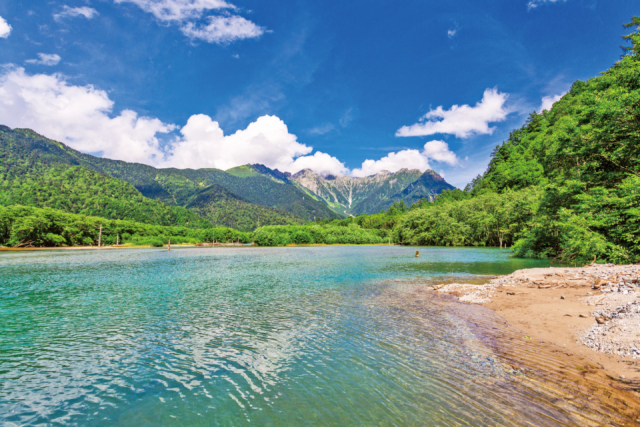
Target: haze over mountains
36 171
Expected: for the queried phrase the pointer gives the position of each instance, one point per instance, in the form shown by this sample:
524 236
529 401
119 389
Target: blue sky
341 87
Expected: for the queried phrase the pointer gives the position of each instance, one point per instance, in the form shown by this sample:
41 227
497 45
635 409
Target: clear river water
257 336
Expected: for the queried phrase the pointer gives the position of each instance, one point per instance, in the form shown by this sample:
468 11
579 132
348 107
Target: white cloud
222 29
322 129
535 3
439 151
187 13
410 159
5 28
451 33
548 101
82 117
79 116
72 12
321 163
49 59
178 10
266 141
462 121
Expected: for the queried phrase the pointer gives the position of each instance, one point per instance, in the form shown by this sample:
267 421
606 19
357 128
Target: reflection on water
284 336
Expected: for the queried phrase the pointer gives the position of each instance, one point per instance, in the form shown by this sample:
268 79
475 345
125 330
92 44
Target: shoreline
592 312
196 245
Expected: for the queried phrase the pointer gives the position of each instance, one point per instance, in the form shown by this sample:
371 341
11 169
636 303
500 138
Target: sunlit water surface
251 336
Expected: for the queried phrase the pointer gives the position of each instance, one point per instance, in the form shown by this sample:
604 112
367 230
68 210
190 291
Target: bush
302 237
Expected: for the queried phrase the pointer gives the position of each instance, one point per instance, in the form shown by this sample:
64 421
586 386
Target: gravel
615 291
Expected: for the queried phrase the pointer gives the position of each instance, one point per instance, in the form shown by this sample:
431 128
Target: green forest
39 172
566 185
22 226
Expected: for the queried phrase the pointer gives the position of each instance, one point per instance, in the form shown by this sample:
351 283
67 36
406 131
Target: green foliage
23 226
40 172
33 177
315 233
584 154
223 207
490 219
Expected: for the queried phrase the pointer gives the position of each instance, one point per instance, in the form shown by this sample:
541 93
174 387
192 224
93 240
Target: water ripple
287 336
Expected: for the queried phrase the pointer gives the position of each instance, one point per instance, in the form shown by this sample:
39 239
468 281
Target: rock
597 283
562 297
600 320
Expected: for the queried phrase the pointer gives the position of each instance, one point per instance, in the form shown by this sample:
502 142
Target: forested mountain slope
28 159
34 175
223 207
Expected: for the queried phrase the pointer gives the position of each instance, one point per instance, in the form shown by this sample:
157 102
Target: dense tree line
76 189
489 219
281 235
23 226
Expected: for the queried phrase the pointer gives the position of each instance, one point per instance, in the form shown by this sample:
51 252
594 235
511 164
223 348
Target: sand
592 312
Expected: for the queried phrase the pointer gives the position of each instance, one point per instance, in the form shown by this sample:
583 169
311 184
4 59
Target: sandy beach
591 312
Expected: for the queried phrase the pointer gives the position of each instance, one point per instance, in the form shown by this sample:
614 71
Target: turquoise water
248 336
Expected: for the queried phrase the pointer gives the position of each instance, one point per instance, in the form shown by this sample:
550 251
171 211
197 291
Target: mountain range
36 171
348 195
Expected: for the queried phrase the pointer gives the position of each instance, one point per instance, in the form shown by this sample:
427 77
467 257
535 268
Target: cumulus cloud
548 101
5 28
452 33
49 59
79 116
73 12
462 121
321 163
410 159
535 3
266 141
188 14
439 151
82 117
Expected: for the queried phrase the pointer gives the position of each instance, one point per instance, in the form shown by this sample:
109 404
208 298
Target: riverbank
127 246
86 248
196 245
592 312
